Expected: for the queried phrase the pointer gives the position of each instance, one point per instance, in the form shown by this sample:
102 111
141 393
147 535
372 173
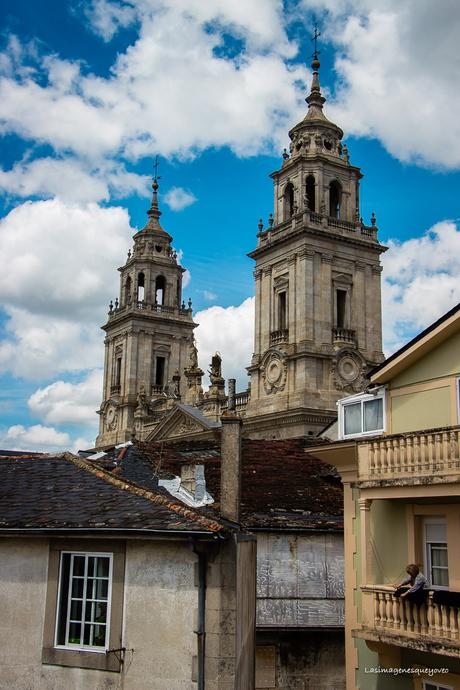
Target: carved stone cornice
327 258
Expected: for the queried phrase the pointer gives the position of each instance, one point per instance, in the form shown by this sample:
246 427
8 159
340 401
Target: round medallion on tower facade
111 417
274 371
348 371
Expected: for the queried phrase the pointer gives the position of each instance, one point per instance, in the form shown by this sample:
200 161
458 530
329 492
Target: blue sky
92 90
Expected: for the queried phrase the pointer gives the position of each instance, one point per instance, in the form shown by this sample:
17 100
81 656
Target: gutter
109 532
201 629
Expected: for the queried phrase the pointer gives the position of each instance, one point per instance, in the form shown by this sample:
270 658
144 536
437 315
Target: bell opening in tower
335 198
310 192
160 286
140 287
288 201
128 290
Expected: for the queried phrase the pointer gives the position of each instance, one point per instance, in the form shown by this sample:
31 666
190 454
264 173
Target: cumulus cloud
178 198
389 85
178 89
420 282
230 331
107 17
34 438
56 281
71 180
69 403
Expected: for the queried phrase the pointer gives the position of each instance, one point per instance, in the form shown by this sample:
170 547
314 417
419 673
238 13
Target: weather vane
155 167
316 35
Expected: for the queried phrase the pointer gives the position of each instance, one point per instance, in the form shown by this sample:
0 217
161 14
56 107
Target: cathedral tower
149 333
318 311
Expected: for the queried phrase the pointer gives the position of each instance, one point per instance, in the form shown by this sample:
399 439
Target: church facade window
128 289
160 368
341 308
282 311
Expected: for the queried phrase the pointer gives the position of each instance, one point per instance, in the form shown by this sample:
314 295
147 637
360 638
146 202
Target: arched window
310 192
288 201
128 290
160 288
140 287
335 199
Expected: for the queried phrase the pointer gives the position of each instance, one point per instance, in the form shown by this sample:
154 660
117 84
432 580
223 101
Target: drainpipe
201 631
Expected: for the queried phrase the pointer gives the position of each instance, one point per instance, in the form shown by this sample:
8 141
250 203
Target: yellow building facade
398 455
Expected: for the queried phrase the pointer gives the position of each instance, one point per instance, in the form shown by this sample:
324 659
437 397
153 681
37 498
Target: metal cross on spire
316 35
155 167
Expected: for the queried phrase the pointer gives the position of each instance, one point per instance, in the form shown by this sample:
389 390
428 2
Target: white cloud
107 17
230 331
209 296
72 180
69 403
58 276
175 91
34 438
178 198
390 86
420 282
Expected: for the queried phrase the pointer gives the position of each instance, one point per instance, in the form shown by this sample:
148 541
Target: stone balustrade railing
280 336
422 453
142 305
343 335
384 612
274 232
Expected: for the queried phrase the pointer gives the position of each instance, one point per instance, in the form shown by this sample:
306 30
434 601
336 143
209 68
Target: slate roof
66 492
282 486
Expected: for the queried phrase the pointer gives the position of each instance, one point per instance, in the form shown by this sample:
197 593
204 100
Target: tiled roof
67 492
282 486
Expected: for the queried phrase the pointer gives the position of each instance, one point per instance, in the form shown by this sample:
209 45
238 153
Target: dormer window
362 415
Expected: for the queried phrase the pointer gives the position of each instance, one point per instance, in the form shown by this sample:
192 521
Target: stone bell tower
149 333
318 311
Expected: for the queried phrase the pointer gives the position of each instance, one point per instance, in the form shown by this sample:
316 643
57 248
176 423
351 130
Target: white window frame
82 647
426 554
361 398
436 684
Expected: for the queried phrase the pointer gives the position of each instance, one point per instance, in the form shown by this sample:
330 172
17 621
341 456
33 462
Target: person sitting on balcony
418 585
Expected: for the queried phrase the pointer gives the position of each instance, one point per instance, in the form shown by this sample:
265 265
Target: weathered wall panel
300 580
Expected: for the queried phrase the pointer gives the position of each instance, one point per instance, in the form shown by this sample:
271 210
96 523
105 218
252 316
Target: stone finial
260 225
285 155
116 303
129 254
182 306
346 156
110 307
271 220
373 219
189 302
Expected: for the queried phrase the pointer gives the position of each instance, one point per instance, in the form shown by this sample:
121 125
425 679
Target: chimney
230 467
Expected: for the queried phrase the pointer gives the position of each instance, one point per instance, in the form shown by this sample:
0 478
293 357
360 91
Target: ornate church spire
315 100
154 213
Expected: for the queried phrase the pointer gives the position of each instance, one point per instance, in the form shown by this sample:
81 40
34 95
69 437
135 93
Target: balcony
343 335
281 336
421 454
429 627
